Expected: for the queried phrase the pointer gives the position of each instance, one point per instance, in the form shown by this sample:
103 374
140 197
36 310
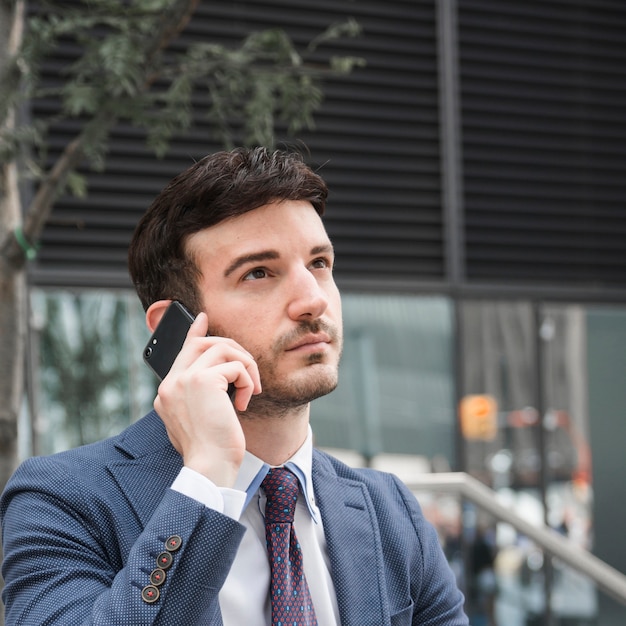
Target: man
164 524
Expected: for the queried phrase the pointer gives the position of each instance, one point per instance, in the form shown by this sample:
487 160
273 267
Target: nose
308 298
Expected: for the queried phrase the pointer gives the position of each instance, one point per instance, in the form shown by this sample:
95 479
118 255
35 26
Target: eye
256 273
321 263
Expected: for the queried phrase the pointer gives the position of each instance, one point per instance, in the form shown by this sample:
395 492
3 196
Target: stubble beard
280 398
282 395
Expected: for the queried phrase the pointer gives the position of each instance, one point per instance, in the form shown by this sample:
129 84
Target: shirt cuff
221 499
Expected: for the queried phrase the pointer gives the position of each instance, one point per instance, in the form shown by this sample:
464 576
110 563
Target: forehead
290 226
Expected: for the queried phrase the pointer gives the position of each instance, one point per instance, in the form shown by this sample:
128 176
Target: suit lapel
152 467
354 547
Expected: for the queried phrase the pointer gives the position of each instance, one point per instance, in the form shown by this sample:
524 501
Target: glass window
605 356
87 373
396 391
498 349
528 438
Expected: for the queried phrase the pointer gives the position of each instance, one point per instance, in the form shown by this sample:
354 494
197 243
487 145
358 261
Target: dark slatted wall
543 93
542 89
376 139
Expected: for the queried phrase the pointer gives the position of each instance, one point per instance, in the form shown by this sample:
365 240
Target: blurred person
484 582
164 523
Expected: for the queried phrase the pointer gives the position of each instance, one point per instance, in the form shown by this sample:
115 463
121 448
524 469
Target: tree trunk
12 341
13 322
12 266
13 325
13 292
12 347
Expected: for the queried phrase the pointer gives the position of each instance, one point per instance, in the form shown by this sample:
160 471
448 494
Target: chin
314 382
301 388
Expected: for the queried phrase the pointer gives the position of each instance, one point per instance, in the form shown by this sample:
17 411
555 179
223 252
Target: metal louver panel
543 93
376 140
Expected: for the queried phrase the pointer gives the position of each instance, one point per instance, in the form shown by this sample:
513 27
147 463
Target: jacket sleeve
67 561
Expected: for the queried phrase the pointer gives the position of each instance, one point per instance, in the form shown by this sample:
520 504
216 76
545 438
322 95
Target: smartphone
168 339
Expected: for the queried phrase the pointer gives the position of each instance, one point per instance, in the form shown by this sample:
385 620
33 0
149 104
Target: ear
155 313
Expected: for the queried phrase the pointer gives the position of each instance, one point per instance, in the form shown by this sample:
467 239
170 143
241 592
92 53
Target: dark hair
221 185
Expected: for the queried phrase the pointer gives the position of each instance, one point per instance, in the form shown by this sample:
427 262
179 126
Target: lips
308 340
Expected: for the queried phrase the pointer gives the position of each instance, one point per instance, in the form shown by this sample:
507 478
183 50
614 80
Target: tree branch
172 23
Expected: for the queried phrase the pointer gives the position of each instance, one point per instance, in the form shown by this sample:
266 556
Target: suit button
173 543
150 594
157 578
164 560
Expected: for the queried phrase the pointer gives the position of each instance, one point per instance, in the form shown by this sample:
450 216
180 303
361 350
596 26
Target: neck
275 439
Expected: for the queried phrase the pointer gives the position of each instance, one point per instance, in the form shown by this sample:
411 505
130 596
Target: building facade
476 166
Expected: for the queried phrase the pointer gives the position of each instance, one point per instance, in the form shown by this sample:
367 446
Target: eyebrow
266 255
327 248
269 255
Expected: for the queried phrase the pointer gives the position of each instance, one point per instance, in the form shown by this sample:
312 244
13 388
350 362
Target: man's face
266 282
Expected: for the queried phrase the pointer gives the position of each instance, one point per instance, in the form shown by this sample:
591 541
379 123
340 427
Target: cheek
247 328
335 306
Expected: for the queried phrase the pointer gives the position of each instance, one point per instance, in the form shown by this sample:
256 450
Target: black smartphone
168 339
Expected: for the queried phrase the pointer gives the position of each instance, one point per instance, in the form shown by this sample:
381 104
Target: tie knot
281 488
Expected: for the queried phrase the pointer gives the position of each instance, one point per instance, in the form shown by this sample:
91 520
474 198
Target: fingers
194 405
217 361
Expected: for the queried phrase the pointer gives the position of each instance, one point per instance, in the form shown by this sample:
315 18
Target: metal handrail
607 578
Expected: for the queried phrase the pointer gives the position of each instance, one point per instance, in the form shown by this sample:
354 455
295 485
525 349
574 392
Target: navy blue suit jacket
84 529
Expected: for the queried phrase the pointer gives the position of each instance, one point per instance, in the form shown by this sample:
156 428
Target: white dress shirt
244 598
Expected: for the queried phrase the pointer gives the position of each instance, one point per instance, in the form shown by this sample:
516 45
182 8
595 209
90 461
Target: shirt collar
253 470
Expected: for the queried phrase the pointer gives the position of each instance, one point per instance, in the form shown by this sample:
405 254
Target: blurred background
477 170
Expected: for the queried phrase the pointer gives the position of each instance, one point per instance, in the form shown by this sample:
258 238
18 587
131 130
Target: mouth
311 342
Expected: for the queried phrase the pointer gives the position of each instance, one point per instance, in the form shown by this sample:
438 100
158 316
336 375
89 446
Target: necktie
289 592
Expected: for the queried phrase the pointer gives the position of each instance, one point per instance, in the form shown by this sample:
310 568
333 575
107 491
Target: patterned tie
291 600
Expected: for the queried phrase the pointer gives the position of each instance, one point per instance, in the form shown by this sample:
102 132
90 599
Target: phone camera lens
147 352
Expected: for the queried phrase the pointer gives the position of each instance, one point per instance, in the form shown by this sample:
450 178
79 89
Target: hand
193 402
